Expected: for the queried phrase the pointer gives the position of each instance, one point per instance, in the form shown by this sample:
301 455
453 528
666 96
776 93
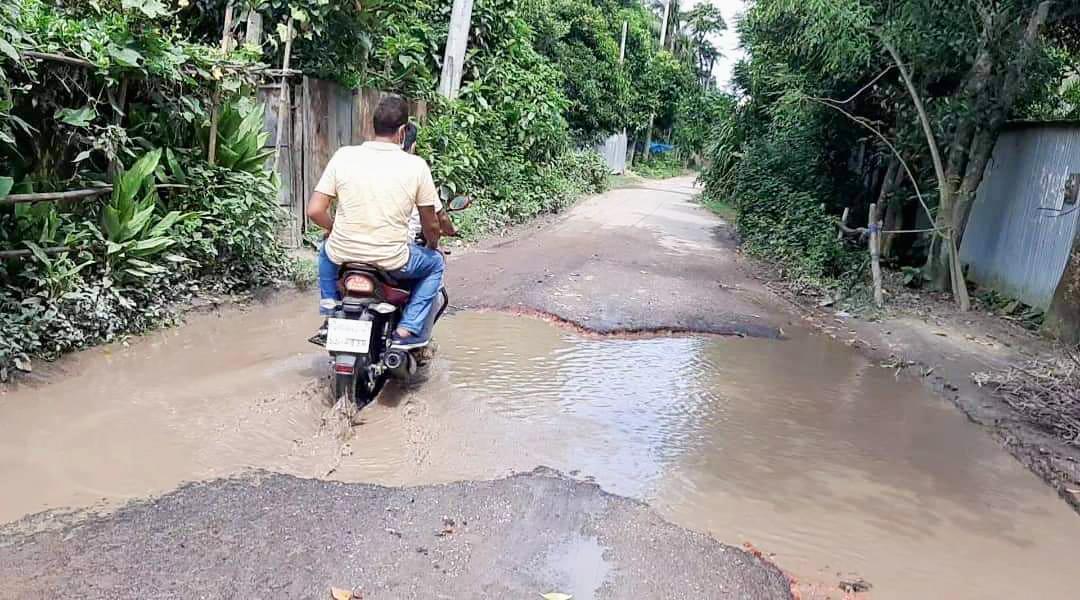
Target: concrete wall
1020 231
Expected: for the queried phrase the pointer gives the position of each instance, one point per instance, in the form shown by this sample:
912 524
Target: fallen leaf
339 594
555 596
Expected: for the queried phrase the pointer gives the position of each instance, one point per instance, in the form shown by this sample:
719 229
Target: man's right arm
318 209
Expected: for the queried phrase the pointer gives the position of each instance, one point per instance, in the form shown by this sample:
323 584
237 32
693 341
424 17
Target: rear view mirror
459 203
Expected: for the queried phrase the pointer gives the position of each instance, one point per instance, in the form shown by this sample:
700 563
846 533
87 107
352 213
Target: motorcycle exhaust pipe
401 364
380 319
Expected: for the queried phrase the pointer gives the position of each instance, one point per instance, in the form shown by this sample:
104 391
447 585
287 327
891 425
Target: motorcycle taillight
359 284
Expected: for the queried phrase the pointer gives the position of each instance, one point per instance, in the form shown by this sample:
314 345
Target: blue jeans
423 273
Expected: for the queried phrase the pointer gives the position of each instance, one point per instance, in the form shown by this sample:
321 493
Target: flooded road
801 446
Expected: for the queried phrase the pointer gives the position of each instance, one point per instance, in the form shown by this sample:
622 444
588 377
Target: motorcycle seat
376 272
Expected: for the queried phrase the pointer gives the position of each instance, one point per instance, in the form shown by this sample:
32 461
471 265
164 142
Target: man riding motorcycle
377 186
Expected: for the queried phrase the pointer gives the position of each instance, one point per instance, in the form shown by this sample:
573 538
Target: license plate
348 335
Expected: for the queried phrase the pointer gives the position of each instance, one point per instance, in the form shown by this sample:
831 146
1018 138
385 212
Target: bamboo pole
6 254
283 98
875 255
215 109
73 194
53 196
69 60
118 101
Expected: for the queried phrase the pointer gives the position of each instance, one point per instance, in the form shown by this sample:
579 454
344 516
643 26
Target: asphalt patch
278 536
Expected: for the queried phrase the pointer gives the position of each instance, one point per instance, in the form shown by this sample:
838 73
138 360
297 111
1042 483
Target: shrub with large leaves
241 140
132 232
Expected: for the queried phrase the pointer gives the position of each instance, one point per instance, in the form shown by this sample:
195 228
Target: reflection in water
801 447
579 562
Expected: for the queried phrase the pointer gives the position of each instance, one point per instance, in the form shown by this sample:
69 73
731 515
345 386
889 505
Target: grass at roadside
625 180
722 209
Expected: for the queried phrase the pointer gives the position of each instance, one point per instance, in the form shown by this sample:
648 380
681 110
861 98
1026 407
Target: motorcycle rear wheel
358 388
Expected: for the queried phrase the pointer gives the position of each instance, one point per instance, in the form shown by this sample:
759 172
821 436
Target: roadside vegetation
840 105
115 100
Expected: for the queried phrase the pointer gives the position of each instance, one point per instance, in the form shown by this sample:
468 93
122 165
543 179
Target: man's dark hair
391 113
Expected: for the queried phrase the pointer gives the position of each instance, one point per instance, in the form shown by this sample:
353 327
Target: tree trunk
952 211
1063 318
894 207
945 191
982 148
648 140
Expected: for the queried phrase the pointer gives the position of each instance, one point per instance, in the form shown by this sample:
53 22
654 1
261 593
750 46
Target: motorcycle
358 336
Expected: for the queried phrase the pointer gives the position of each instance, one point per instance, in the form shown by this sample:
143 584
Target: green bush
148 257
136 255
660 166
233 241
779 202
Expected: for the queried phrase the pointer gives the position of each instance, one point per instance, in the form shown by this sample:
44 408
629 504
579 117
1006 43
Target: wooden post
253 35
226 31
283 98
215 109
622 44
457 41
663 25
875 255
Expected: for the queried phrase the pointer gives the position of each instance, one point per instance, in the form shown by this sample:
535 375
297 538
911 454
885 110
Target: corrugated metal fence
1021 229
614 152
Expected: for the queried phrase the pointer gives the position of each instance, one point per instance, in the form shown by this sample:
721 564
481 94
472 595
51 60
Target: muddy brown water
801 447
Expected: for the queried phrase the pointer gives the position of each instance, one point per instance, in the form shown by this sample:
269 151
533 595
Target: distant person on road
378 186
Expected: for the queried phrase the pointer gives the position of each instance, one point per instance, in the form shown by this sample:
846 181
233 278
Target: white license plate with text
348 335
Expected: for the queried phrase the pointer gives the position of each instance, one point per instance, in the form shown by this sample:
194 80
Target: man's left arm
429 222
426 196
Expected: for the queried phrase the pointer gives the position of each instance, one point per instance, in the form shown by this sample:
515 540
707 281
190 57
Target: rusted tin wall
1022 228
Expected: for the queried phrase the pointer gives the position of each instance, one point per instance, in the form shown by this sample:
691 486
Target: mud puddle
801 447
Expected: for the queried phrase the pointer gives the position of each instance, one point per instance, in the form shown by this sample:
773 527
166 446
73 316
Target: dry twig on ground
1047 392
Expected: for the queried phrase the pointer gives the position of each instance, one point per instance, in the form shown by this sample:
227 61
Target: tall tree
698 28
